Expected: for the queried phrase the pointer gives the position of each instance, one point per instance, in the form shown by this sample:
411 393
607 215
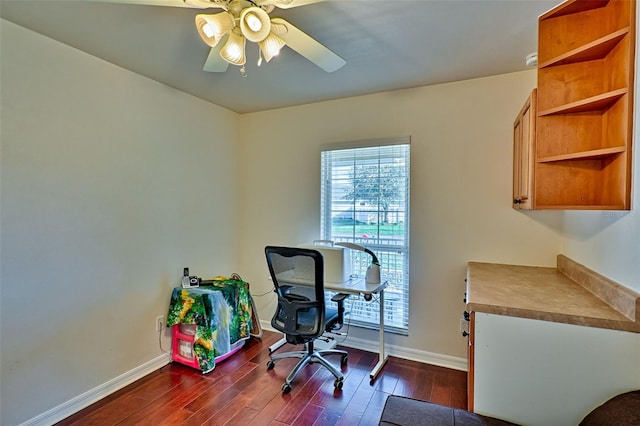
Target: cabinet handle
517 201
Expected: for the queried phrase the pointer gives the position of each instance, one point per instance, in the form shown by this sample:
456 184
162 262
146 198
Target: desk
353 286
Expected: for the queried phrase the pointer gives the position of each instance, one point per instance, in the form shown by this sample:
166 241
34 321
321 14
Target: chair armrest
285 288
336 323
339 297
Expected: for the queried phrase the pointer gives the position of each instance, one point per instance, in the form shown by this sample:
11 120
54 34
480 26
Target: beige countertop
548 294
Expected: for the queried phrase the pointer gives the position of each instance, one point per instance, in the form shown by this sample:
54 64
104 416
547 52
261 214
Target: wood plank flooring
240 391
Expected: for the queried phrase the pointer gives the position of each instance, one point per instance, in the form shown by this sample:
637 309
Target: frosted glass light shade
233 49
255 24
212 27
271 46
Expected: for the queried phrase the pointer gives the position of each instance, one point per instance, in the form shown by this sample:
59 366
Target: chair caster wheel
343 361
338 384
270 365
286 388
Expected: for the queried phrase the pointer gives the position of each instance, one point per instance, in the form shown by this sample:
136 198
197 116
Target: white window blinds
365 200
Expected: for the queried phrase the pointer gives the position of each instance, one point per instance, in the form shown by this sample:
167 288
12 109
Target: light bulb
206 28
235 51
253 22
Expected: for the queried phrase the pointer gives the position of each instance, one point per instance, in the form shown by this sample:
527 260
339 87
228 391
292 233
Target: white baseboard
426 357
398 351
76 404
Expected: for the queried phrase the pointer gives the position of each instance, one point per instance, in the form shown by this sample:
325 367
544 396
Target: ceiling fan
241 20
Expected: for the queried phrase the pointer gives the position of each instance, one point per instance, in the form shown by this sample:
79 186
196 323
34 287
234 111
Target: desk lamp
373 271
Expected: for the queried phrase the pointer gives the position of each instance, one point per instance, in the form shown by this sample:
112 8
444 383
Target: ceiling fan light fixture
227 34
271 46
255 24
212 27
233 50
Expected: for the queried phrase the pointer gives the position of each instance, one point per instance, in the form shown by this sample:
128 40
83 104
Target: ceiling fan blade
286 4
214 62
309 48
197 4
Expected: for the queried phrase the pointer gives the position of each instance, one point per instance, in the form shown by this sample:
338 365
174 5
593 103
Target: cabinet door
524 128
542 373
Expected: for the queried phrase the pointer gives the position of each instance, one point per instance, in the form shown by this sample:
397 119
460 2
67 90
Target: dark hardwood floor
240 391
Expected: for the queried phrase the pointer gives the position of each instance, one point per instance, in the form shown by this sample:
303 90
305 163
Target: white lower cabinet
536 372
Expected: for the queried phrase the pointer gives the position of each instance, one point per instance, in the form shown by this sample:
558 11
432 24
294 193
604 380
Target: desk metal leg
382 356
277 345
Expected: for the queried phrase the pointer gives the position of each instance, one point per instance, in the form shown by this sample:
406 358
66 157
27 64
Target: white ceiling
391 44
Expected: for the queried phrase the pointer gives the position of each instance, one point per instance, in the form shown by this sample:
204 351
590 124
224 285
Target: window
365 200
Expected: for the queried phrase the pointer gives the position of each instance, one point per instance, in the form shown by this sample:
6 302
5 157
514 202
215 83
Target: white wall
607 242
111 183
461 157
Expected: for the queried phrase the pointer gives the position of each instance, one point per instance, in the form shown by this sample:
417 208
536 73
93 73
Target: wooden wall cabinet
586 53
524 135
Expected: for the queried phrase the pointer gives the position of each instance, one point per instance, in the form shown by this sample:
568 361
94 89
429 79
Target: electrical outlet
160 323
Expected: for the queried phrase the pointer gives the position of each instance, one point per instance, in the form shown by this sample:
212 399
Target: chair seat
622 410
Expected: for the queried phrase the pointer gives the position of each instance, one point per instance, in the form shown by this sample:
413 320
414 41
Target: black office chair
298 277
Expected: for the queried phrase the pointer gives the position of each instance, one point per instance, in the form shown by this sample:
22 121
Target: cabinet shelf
592 104
573 6
584 155
597 49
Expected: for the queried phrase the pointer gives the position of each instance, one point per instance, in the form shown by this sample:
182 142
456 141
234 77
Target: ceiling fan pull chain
243 71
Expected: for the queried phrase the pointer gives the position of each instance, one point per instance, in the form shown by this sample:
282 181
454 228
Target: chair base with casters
310 356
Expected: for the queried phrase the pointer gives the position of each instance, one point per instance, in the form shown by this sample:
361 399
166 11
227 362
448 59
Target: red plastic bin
183 338
182 345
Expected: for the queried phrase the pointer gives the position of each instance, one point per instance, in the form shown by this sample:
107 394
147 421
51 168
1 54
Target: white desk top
353 286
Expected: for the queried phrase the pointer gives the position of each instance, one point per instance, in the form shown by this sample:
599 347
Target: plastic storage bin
183 337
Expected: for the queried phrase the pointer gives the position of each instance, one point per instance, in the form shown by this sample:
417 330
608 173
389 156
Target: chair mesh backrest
298 278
